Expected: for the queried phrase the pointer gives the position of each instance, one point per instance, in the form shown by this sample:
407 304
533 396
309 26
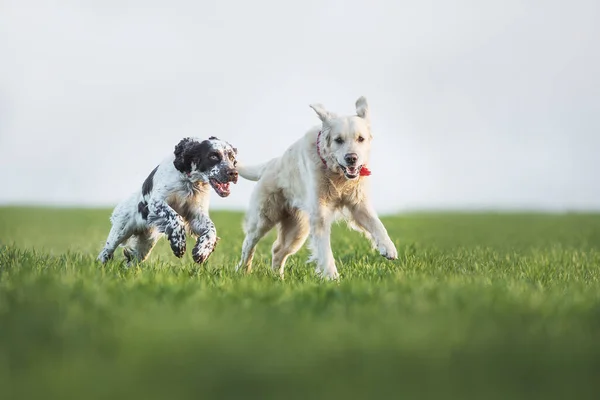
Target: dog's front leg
205 229
320 240
365 216
169 222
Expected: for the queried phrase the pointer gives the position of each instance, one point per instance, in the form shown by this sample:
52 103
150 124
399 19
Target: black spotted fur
149 183
188 152
154 213
143 209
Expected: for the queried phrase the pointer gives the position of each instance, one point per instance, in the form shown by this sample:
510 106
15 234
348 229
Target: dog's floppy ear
362 109
323 114
181 162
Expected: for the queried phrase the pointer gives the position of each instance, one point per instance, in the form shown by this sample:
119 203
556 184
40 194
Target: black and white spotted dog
174 198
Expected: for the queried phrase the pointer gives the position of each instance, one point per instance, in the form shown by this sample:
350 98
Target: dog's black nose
351 158
232 174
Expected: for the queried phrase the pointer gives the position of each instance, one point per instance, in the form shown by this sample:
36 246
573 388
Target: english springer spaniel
175 196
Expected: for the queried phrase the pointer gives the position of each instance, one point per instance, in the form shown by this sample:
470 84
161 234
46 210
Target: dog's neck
193 181
319 149
364 171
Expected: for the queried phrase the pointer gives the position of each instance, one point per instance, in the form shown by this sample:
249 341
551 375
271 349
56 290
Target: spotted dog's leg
140 245
120 231
205 229
162 216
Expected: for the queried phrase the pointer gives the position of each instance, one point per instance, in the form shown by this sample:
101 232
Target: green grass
486 306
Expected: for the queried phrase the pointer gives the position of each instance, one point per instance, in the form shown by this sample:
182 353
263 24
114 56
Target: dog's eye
339 140
214 156
235 163
361 139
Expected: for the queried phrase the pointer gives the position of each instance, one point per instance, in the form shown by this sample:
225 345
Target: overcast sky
474 103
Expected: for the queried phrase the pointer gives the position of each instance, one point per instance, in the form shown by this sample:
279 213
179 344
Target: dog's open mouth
351 172
221 188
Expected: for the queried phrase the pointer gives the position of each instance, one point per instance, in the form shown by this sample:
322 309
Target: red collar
364 171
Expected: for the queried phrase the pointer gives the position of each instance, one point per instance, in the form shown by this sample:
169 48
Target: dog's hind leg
293 231
140 245
255 228
120 231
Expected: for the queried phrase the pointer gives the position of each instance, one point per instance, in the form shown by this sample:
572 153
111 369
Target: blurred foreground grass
486 306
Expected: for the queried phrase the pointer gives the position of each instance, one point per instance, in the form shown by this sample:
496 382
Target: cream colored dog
301 191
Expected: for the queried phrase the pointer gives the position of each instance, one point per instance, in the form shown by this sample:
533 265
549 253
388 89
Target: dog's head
345 142
211 160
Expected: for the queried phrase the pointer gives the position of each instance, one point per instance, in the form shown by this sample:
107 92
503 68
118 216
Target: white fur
299 195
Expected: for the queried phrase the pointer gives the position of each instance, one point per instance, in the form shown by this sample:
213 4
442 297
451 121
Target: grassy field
487 306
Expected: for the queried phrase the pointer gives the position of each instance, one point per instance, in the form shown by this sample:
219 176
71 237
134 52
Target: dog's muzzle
351 172
221 184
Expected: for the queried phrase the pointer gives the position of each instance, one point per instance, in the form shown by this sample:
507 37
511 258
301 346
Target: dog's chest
188 201
340 192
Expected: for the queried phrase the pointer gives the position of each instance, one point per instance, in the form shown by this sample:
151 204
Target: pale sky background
475 104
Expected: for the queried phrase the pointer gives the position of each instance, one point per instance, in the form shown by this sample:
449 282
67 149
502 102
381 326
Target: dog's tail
252 173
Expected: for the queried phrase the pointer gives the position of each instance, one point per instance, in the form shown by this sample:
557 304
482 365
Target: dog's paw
104 256
204 247
388 250
178 249
129 255
330 274
243 268
178 244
